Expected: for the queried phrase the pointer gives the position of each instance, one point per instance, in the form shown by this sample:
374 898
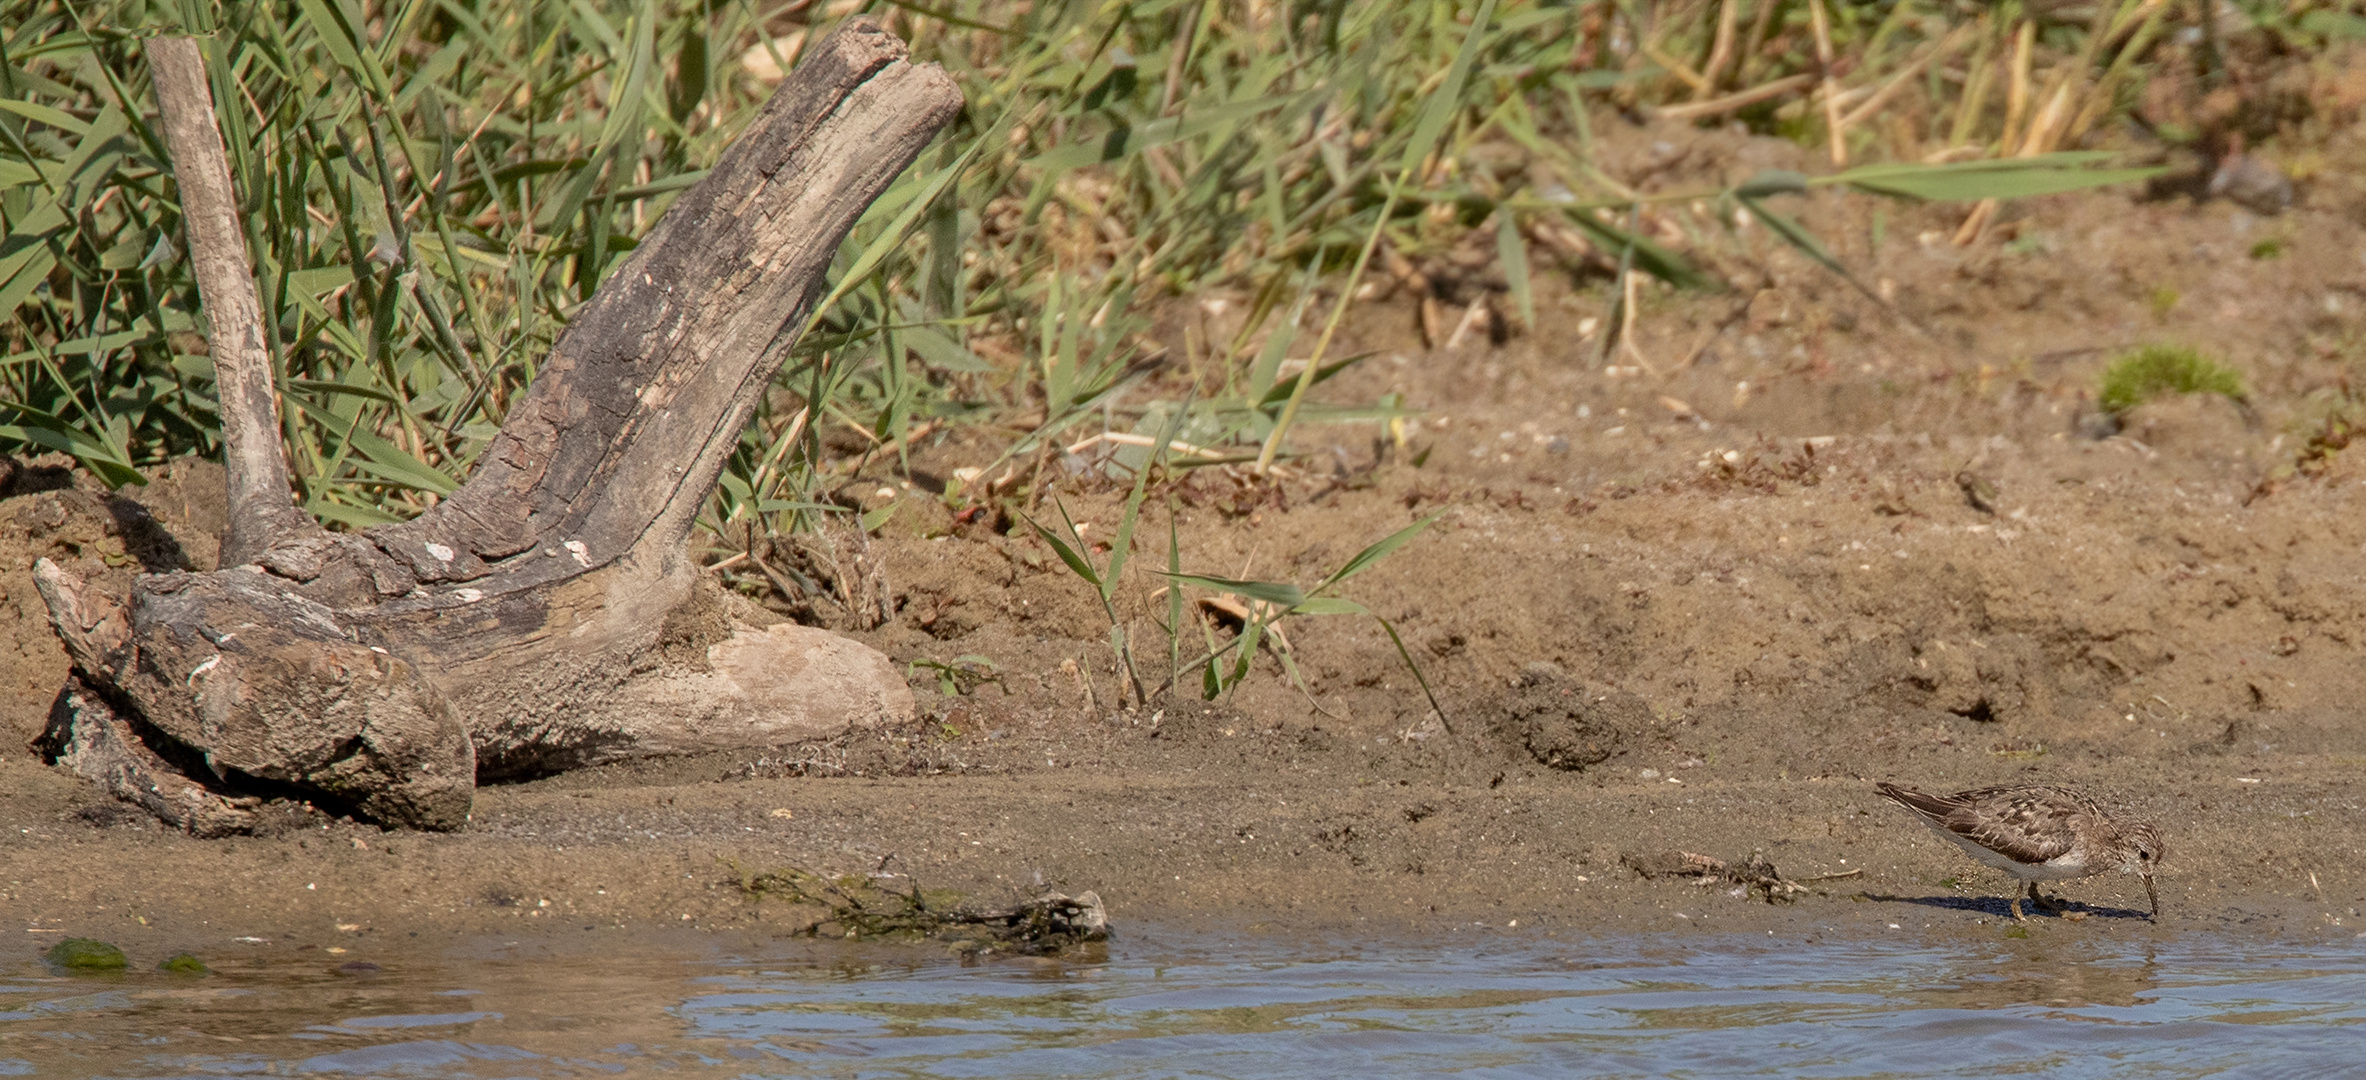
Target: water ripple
1184 1006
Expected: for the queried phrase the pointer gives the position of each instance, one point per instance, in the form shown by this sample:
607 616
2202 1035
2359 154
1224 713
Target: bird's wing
2026 825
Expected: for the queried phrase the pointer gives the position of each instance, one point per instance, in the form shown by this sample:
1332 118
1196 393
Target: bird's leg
2040 902
2013 901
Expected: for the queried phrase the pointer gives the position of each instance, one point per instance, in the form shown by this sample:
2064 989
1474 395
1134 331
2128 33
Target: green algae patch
85 954
185 964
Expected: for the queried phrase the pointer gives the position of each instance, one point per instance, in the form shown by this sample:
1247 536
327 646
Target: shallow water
1176 1004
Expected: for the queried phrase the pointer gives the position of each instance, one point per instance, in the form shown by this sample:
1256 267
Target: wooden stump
514 628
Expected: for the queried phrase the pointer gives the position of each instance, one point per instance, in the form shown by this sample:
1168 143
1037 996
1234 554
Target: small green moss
185 964
2154 370
2017 932
2268 248
85 954
2163 301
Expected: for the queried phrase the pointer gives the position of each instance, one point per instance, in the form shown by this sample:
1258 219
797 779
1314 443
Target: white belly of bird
2063 868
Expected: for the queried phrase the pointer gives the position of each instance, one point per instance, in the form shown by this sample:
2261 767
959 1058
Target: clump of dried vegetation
862 907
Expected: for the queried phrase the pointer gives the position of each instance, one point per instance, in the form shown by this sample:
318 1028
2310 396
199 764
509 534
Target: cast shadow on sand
1998 906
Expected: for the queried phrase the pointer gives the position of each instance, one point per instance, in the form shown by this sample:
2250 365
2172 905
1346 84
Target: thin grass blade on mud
2002 178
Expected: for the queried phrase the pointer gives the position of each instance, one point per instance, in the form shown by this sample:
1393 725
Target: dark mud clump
1568 725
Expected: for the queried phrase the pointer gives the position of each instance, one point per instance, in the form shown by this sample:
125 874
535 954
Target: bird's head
2144 853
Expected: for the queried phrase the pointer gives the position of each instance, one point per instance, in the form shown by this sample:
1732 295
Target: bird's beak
2154 896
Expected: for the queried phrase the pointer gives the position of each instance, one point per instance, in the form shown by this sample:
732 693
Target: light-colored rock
765 686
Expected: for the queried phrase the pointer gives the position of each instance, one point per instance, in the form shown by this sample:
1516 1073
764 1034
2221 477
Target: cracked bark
513 628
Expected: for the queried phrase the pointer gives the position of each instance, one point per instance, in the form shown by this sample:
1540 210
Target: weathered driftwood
516 627
260 510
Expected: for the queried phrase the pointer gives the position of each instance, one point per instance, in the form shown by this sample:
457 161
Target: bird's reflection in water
2045 973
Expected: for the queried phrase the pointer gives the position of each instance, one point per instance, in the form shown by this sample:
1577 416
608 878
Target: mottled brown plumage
2037 832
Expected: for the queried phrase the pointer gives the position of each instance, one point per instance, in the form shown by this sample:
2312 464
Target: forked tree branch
261 507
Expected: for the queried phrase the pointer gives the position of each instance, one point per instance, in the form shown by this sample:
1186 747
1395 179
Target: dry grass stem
1889 89
1235 614
1127 438
1676 67
1626 330
1824 60
1721 51
1739 100
2049 122
2017 86
1474 317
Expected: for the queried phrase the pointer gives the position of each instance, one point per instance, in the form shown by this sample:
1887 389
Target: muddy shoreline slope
1669 606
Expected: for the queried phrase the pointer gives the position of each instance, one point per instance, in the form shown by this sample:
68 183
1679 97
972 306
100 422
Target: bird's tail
1928 805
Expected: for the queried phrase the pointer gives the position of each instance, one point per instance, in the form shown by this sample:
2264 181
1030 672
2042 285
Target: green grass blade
1263 374
2004 178
1068 555
1174 598
1511 251
1133 503
1280 392
1124 142
1797 236
1792 233
1281 594
1438 110
1654 259
1407 656
891 239
1382 549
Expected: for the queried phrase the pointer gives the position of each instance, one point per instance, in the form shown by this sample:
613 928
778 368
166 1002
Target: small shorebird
2037 833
